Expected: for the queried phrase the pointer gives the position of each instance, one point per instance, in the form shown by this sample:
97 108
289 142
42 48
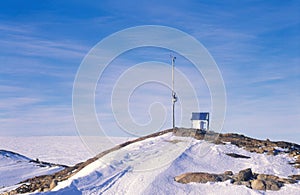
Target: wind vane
174 97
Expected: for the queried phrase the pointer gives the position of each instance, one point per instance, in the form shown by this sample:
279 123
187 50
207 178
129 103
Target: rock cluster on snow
244 177
247 143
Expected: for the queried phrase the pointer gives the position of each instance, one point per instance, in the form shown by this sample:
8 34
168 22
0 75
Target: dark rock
244 175
273 185
234 155
255 175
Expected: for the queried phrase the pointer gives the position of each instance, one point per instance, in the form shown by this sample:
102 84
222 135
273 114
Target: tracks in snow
125 166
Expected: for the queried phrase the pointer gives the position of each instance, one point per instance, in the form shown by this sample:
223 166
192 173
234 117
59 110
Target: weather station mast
174 97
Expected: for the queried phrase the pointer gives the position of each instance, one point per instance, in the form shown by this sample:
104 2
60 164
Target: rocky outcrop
260 146
247 143
244 177
182 132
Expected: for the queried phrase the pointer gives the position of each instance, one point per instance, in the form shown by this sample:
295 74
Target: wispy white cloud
15 28
10 88
38 47
13 103
38 120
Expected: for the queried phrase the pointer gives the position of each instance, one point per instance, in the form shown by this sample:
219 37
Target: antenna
174 97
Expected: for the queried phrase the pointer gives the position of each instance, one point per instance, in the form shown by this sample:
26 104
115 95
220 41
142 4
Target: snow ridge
16 168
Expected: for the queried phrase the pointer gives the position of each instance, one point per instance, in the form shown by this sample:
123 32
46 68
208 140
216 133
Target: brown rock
298 159
294 153
53 184
271 152
198 178
266 177
228 173
287 181
258 185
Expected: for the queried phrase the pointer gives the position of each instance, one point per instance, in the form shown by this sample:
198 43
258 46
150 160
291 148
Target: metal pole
173 76
174 98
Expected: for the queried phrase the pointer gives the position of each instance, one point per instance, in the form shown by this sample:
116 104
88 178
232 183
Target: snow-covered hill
149 167
15 168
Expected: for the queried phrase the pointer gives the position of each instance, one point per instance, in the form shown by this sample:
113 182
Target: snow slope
15 168
149 167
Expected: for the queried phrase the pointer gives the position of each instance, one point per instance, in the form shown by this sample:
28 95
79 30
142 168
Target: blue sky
255 44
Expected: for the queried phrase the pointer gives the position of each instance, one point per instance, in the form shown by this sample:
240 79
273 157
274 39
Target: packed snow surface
149 167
